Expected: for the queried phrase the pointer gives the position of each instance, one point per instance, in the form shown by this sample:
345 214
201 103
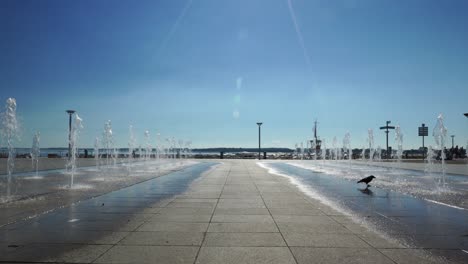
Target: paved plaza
235 212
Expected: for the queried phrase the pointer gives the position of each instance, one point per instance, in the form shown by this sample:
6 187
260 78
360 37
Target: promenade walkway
234 213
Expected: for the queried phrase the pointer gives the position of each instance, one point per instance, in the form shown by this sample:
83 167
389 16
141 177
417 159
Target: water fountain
147 145
378 154
347 145
440 134
35 152
96 151
73 143
335 149
399 142
302 151
131 144
10 129
108 142
370 132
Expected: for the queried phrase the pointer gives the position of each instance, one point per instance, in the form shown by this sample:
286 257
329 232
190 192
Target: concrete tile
339 255
327 228
164 238
242 227
171 226
377 241
242 218
410 256
324 240
244 240
312 219
66 253
192 205
185 211
196 218
150 254
294 211
245 255
241 211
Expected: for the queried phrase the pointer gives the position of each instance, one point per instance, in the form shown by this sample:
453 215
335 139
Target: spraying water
371 144
108 141
71 164
10 129
35 152
399 142
347 145
440 134
96 151
302 151
335 149
131 143
147 145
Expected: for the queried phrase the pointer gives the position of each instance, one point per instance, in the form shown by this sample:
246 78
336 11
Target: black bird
367 179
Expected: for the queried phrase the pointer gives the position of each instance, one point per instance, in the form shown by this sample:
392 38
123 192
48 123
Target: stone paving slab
149 254
245 255
236 213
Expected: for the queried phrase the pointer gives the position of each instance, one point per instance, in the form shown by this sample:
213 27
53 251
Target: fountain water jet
10 129
131 144
71 164
108 142
399 142
370 132
96 151
35 152
440 134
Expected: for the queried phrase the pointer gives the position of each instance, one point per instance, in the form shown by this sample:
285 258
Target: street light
70 113
259 125
387 127
452 140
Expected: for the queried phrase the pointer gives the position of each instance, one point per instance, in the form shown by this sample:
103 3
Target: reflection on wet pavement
100 222
414 222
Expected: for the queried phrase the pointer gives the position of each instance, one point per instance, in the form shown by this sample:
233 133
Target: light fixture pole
452 140
70 113
387 127
259 137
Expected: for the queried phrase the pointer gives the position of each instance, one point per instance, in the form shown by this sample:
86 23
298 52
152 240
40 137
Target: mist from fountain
131 144
335 149
96 152
108 143
370 133
302 150
399 143
9 132
440 135
378 154
147 145
347 145
36 152
73 143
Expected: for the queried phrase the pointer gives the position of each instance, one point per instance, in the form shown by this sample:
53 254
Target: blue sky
208 70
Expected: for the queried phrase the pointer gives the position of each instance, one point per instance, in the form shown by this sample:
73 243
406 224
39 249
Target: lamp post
70 113
259 125
387 127
452 140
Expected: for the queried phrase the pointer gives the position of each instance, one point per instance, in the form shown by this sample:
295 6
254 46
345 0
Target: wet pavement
233 212
414 222
35 194
91 227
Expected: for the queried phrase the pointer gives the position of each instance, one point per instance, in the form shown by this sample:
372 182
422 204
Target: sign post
423 132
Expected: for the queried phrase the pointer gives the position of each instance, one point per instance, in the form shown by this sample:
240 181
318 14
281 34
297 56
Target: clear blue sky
207 70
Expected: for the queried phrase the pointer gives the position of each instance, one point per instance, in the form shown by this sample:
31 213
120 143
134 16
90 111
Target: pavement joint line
212 214
135 228
274 221
304 197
